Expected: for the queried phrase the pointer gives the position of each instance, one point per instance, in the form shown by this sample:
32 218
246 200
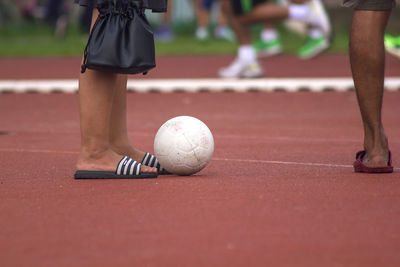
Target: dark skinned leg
367 58
242 31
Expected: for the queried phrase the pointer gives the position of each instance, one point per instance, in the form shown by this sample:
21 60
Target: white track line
18 150
288 163
195 85
283 162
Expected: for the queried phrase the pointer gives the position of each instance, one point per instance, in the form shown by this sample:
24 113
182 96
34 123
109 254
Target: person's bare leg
202 14
268 12
367 58
242 31
96 99
264 13
119 139
222 20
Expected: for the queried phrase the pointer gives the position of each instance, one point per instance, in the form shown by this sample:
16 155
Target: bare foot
375 160
376 148
130 151
106 160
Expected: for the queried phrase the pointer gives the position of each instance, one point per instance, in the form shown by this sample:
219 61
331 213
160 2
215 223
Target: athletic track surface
330 65
280 190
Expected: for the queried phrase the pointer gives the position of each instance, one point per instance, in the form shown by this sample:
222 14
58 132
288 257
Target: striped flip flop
151 161
127 168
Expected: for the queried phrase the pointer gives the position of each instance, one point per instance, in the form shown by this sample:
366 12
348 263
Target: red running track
280 190
285 66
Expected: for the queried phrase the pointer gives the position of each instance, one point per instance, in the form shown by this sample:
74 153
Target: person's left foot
202 34
242 69
268 48
127 168
392 45
313 47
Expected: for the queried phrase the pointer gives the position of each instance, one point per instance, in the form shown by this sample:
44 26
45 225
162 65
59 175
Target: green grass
36 39
185 43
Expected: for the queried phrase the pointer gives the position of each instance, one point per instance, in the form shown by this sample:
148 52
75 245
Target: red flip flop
360 167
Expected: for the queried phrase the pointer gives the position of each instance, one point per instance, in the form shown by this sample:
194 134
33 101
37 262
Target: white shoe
224 33
201 34
241 69
319 17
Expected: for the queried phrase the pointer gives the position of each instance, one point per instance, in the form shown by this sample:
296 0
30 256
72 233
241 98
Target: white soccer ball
184 145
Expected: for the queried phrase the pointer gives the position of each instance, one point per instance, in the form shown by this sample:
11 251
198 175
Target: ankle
378 147
129 150
121 148
93 153
119 141
375 139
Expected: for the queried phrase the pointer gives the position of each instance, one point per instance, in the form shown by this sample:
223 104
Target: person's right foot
242 69
103 161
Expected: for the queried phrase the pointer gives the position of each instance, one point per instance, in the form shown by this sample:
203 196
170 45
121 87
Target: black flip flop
151 161
127 168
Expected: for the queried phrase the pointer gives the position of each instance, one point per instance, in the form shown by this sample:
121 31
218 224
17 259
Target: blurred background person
27 7
270 44
57 13
203 10
242 16
8 12
165 32
56 16
18 10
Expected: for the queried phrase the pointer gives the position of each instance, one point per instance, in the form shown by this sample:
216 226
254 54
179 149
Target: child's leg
119 139
96 98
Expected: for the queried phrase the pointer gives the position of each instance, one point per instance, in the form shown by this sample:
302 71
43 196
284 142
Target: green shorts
370 4
241 7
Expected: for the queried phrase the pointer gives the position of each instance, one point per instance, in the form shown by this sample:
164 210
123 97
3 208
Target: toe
148 169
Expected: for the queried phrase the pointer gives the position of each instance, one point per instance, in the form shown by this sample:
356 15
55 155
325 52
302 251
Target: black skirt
100 3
